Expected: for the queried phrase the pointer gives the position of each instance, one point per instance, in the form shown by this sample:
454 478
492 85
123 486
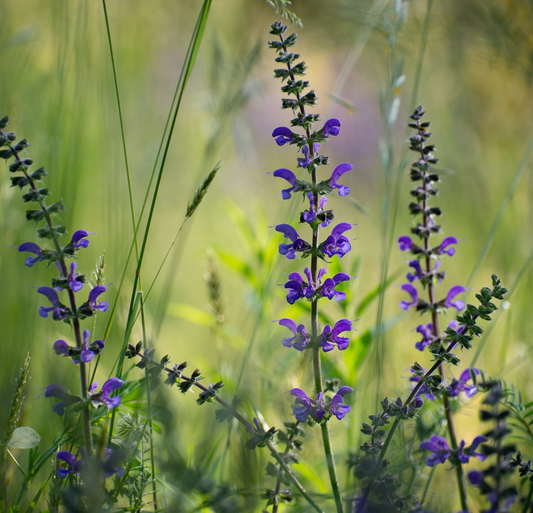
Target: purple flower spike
344 190
283 135
331 127
426 330
288 175
73 283
337 407
61 347
460 385
443 248
404 305
454 291
93 296
337 243
31 247
59 311
290 250
328 288
405 243
331 336
415 264
79 239
439 447
300 339
74 466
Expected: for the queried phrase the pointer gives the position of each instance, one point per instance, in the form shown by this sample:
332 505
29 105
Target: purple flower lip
331 336
440 449
454 291
405 243
300 339
332 127
31 247
288 175
283 135
344 190
444 247
93 296
411 290
59 311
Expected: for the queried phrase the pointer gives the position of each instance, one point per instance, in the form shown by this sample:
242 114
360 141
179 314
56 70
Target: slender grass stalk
190 60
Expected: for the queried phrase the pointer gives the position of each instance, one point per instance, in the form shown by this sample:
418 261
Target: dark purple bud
61 347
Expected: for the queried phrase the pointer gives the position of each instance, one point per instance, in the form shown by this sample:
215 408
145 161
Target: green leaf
24 438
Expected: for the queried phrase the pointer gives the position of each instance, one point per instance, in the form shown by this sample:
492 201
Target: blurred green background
57 86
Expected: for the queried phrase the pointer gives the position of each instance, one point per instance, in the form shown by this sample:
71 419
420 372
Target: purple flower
74 466
439 447
304 406
65 399
31 247
344 190
328 288
306 160
418 402
331 127
415 264
298 288
337 243
464 454
73 283
475 477
454 291
59 311
283 135
337 407
444 249
300 337
108 387
331 336
310 215
426 330
460 385
290 250
288 175
93 296
405 243
411 290
111 462
61 347
86 354
79 239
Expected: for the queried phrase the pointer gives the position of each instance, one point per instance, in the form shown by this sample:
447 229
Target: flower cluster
440 451
313 284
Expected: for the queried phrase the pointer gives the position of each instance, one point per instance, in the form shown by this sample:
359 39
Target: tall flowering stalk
68 281
313 285
426 268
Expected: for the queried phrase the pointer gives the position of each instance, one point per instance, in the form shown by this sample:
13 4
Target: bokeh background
475 66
